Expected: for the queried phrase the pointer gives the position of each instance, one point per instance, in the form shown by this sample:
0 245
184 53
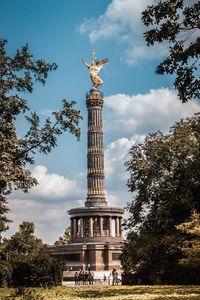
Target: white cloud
49 219
122 20
50 184
144 113
113 201
139 52
49 216
120 15
116 154
47 204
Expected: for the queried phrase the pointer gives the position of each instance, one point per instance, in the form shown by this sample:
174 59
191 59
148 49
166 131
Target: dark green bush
5 273
43 271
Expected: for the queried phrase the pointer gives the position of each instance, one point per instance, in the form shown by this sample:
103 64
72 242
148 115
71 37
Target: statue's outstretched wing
101 62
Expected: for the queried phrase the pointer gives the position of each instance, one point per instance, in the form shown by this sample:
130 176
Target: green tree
41 270
177 22
5 273
191 246
23 245
65 239
25 263
164 180
17 76
3 218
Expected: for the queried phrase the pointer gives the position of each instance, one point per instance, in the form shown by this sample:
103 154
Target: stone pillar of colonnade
117 227
90 227
74 227
71 227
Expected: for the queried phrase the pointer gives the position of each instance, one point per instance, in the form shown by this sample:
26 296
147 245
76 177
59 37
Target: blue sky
136 100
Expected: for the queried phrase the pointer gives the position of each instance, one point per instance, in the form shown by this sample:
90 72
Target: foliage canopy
23 245
17 76
24 263
66 238
164 177
191 245
178 23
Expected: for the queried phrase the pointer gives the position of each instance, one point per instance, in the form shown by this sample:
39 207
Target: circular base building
98 231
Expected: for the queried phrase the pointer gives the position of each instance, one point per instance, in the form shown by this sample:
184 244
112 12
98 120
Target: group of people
84 278
87 278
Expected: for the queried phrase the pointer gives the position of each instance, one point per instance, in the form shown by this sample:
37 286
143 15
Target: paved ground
98 282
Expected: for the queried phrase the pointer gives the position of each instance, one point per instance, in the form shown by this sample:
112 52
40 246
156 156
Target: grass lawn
107 293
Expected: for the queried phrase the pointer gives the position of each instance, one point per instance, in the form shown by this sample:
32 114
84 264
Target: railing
97 93
96 233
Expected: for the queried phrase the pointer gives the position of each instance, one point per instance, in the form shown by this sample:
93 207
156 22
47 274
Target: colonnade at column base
97 223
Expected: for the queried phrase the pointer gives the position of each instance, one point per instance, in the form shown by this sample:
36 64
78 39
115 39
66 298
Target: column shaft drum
95 156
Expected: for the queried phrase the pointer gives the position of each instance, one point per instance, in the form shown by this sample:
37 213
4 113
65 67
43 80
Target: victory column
95 157
96 234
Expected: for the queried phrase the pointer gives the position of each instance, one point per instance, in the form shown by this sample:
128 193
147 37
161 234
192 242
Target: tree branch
36 145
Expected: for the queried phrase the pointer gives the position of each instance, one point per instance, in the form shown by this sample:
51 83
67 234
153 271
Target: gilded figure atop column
95 66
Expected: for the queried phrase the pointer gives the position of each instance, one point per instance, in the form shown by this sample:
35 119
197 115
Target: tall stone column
95 157
120 227
101 226
81 227
117 227
110 226
71 227
90 227
74 227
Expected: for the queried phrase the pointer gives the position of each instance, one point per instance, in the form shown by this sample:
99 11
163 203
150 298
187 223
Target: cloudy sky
136 100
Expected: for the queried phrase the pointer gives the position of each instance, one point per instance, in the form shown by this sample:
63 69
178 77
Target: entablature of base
75 247
96 211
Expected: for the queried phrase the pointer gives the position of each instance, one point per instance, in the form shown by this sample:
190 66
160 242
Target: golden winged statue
95 66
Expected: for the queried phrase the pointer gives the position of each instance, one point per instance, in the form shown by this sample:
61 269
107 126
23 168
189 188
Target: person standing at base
109 279
115 276
86 279
113 272
104 278
83 278
92 278
76 278
80 277
89 277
